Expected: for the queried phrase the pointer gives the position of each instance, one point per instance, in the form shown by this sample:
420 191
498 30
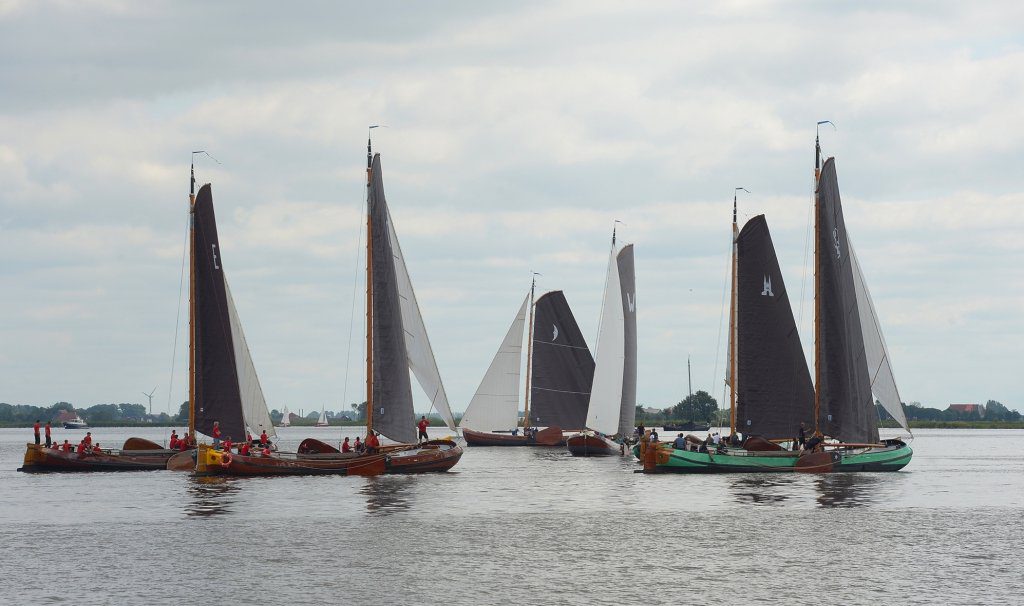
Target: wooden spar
529 358
369 298
817 286
733 332
192 307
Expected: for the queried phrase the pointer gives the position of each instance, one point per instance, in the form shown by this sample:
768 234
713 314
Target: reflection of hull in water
893 456
592 445
135 457
549 436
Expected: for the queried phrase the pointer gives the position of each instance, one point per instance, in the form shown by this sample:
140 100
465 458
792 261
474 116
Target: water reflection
847 489
210 496
761 489
387 494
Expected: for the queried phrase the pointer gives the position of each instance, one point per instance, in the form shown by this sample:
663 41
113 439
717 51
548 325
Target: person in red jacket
35 430
87 439
216 434
265 451
81 447
423 424
345 446
173 444
66 446
244 449
372 443
227 444
48 441
264 438
96 449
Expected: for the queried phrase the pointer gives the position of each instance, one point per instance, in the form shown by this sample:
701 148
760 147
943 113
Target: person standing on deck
216 434
372 443
35 430
48 437
423 424
802 436
88 439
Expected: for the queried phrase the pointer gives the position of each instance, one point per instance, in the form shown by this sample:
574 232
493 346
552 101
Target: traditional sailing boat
286 418
559 371
770 384
612 407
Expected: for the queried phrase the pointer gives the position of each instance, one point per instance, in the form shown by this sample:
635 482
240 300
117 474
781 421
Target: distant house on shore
968 409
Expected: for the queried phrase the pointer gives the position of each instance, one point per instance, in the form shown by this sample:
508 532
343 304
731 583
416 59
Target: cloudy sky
517 133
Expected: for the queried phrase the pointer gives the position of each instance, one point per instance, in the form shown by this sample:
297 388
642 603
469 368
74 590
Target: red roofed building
968 409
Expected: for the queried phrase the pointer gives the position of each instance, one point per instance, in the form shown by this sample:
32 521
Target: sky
516 134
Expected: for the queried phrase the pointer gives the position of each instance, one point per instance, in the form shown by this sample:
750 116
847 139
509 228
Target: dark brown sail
393 413
847 410
562 367
217 396
774 390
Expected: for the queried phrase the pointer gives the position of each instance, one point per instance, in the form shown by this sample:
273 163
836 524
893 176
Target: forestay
606 392
495 405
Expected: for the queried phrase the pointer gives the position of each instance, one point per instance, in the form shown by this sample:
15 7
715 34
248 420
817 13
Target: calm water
524 525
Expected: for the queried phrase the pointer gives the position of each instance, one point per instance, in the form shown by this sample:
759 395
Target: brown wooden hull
435 455
549 436
214 462
590 445
39 459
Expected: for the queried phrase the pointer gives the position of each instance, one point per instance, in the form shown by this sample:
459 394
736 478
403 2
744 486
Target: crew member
359 445
48 441
81 447
244 449
423 424
216 434
372 443
66 447
802 436
96 449
264 438
35 430
227 444
345 446
174 440
87 439
265 451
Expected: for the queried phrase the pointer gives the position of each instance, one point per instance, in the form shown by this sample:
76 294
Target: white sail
322 421
883 383
606 392
286 418
254 405
495 405
417 344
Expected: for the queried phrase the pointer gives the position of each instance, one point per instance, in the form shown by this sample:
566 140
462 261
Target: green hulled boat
771 393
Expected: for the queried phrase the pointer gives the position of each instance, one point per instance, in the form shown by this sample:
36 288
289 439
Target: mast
732 324
817 285
192 302
529 356
369 293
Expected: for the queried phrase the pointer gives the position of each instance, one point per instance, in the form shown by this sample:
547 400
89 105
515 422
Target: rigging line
725 285
177 320
807 244
352 312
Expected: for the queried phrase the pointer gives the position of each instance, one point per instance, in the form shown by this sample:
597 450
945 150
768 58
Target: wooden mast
369 292
529 357
817 286
732 327
192 305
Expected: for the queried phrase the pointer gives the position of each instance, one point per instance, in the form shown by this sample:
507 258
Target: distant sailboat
565 371
611 409
286 418
322 421
771 389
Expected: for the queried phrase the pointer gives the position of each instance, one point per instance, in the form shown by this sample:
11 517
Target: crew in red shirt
174 440
372 443
96 449
35 430
81 447
216 434
88 438
66 447
48 441
227 444
423 424
263 438
244 449
345 446
266 451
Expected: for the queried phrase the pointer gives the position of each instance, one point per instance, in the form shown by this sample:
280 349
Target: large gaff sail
847 411
562 369
883 382
254 405
392 412
218 395
606 392
627 282
495 405
774 390
417 344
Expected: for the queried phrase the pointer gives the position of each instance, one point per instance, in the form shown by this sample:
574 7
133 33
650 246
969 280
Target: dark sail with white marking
847 410
562 368
774 389
627 282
